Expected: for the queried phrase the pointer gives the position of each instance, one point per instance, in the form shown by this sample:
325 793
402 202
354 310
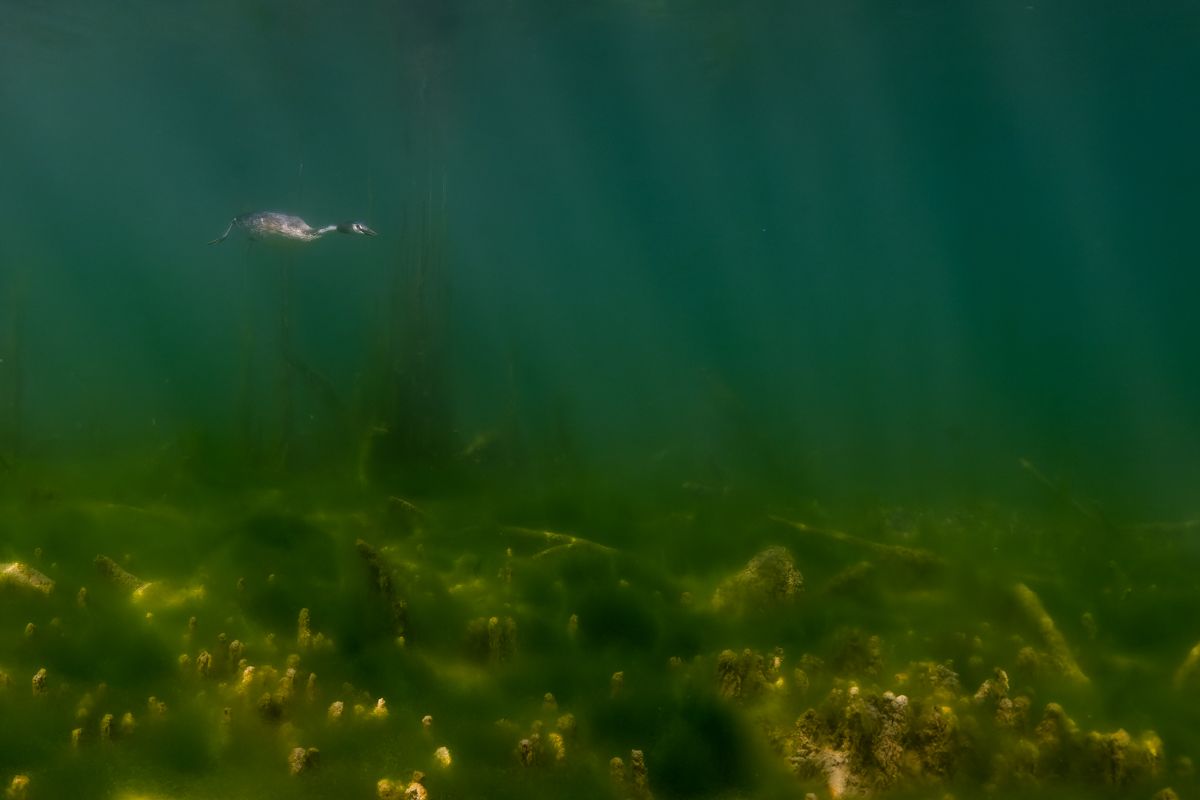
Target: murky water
658 288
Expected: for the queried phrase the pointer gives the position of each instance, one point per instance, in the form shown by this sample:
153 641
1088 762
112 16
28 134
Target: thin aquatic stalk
286 408
558 541
1091 513
1167 527
246 394
383 582
18 389
16 374
911 556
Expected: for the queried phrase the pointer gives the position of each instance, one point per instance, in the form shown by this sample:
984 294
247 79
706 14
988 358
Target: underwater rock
992 690
1118 759
286 689
492 639
302 759
1013 712
937 681
1007 712
875 728
246 684
812 752
380 710
858 654
442 757
741 677
637 774
203 663
935 733
1188 668
1057 738
303 630
631 782
415 789
384 583
1015 765
769 579
801 681
39 681
26 577
527 751
501 638
305 638
1088 620
270 707
558 745
388 789
18 788
1030 661
864 742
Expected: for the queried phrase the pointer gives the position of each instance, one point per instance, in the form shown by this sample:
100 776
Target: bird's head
357 228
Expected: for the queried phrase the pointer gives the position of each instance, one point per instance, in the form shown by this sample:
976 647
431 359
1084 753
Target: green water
903 288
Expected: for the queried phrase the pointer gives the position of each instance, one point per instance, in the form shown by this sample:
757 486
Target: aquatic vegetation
18 788
1060 655
769 580
383 582
547 653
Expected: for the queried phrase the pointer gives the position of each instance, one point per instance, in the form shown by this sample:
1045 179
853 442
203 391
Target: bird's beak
368 231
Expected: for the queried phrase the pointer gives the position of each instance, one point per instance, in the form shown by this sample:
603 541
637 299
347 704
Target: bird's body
273 224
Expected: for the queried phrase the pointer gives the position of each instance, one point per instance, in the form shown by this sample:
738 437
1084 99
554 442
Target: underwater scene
615 399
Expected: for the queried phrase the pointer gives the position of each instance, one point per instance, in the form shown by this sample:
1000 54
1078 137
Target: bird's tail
226 233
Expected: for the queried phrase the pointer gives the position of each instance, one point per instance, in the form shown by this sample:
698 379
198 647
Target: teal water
647 272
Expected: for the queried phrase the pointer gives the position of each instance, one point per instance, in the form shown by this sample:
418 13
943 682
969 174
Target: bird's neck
325 230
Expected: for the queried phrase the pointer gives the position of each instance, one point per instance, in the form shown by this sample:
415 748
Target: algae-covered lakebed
320 643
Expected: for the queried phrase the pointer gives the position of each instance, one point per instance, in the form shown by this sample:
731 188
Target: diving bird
264 224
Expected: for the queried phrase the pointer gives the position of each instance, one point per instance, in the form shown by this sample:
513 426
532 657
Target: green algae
708 664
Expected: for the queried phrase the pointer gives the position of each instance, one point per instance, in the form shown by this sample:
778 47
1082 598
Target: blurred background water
880 247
